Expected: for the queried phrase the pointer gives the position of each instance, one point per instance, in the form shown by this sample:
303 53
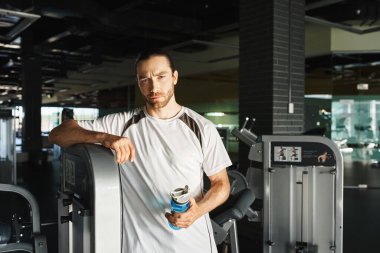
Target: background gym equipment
11 232
237 206
301 185
8 173
7 233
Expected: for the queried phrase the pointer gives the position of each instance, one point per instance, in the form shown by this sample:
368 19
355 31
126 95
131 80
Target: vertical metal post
234 238
63 227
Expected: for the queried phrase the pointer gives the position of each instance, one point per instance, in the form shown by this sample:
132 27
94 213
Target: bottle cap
181 195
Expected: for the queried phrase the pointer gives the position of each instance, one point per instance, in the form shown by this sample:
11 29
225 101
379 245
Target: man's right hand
69 133
123 147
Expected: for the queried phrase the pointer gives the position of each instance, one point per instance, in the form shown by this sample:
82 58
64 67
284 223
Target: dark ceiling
366 12
72 35
75 35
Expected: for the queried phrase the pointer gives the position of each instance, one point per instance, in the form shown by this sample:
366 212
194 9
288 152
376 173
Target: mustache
156 94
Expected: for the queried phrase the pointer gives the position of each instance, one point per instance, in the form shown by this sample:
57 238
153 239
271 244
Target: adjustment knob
65 219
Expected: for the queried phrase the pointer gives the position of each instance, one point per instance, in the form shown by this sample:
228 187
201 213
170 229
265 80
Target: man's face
156 81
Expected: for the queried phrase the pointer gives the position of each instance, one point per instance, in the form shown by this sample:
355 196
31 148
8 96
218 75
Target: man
160 147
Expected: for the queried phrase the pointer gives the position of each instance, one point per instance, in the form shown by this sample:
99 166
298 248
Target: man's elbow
226 192
63 131
54 137
57 135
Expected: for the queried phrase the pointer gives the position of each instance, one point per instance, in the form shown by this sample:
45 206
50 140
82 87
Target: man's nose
154 84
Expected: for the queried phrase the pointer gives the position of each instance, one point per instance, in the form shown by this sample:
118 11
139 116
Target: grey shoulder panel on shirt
190 122
134 120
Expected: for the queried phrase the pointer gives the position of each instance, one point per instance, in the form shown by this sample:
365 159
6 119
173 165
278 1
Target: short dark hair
147 53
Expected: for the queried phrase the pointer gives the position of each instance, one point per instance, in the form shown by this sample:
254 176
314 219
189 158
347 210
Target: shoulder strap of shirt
190 122
134 120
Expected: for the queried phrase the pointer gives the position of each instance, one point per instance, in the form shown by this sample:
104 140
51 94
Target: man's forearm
215 196
69 133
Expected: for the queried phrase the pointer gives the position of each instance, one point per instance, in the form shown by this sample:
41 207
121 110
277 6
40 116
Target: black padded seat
236 207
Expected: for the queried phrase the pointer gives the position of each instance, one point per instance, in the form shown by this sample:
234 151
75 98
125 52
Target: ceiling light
9 46
362 86
50 80
69 98
320 96
215 114
59 36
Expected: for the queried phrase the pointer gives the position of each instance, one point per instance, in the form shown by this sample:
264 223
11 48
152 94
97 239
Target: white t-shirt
170 153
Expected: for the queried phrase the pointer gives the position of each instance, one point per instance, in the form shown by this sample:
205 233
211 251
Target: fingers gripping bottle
179 202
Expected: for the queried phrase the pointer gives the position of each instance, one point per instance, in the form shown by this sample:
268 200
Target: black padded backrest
240 199
238 181
235 207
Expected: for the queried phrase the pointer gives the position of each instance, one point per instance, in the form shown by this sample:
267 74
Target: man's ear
175 76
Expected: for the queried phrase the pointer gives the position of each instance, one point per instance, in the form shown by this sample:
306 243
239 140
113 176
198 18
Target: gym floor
361 207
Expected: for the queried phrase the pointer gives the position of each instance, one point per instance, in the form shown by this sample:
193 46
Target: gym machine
89 201
10 235
300 181
8 173
224 218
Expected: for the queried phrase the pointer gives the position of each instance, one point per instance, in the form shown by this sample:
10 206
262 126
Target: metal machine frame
40 244
301 184
224 218
8 170
89 201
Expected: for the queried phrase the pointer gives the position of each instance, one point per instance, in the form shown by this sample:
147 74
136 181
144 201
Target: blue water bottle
179 202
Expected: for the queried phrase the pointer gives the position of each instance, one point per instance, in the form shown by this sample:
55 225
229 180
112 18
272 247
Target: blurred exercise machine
300 182
10 235
238 206
8 172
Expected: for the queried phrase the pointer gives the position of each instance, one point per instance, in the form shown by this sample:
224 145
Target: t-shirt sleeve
215 154
111 124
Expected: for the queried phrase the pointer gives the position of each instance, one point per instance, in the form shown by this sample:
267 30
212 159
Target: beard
161 103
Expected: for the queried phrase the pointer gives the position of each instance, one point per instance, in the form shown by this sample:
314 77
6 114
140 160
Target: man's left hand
184 220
